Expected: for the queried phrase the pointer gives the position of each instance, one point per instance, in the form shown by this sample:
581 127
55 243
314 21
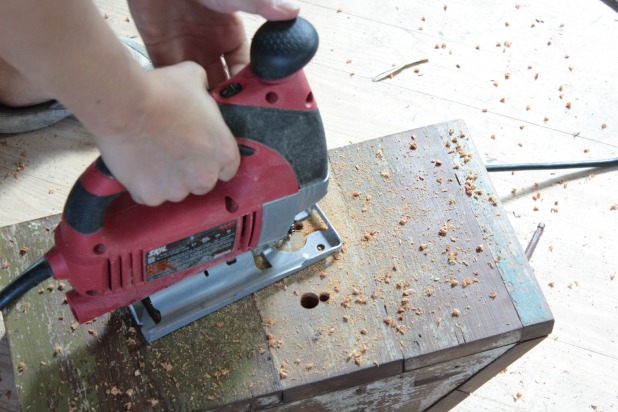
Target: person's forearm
68 50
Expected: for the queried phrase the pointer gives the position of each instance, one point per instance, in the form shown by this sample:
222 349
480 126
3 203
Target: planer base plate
227 282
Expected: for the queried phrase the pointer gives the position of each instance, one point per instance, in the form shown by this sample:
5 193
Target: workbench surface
431 288
553 53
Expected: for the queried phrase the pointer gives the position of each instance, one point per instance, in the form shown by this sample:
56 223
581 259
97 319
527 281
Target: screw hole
309 100
99 249
309 300
320 247
271 97
230 205
324 296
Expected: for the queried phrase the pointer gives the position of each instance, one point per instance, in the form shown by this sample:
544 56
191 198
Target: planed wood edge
448 402
467 349
491 370
536 330
361 377
483 376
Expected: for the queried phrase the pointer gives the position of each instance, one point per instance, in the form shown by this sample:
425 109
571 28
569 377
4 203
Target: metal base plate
205 292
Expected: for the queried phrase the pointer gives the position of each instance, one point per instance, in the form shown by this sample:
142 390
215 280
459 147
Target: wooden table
430 297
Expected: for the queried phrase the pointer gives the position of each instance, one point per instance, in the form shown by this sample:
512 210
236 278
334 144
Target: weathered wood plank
414 289
223 357
343 341
499 365
436 287
532 309
410 391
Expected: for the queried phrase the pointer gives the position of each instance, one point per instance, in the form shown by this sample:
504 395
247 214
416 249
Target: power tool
177 262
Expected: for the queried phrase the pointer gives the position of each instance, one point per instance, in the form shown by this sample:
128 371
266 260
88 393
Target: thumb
269 9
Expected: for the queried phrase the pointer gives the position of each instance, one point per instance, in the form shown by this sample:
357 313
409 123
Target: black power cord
552 165
35 274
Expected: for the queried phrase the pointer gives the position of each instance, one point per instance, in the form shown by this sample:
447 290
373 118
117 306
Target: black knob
281 48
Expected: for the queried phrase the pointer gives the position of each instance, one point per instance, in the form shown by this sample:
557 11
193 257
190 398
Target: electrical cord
552 165
34 275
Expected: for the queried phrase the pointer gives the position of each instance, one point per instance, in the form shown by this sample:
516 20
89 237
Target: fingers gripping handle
281 48
278 50
85 207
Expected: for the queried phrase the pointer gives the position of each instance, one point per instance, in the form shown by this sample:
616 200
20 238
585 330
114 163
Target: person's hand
204 31
175 142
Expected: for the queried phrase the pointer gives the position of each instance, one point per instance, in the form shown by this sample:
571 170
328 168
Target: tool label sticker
190 251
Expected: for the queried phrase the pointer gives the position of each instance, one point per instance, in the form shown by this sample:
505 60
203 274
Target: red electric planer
175 263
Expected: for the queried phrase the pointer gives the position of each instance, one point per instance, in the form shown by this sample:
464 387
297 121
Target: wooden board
430 288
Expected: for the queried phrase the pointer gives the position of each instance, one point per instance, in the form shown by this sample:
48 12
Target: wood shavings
398 69
455 313
443 230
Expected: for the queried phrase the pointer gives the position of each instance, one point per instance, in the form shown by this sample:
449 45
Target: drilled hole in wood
324 296
309 300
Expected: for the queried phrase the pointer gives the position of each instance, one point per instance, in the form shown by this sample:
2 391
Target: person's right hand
175 142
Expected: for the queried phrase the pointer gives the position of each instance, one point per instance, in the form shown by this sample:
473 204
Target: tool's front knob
281 48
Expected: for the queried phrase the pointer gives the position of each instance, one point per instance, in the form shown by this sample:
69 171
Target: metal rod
535 240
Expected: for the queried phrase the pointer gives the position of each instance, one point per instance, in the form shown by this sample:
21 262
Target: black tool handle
84 209
281 48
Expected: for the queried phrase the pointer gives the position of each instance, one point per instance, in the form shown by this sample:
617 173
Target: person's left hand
203 31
